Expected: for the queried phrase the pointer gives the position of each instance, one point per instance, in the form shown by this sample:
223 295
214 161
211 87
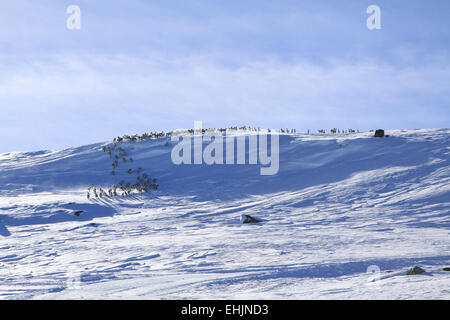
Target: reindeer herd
144 183
338 131
156 135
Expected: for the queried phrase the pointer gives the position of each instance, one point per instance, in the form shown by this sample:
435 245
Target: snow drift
340 207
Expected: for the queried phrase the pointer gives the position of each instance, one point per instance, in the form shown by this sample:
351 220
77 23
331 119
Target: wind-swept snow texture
341 207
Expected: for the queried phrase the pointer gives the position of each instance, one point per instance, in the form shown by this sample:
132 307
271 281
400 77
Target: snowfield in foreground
340 207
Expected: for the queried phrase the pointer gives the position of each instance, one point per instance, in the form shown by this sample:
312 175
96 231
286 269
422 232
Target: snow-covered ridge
338 205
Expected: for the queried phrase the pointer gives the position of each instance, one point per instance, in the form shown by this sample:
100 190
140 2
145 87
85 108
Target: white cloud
98 96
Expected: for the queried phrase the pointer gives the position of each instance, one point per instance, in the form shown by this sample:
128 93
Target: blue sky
136 66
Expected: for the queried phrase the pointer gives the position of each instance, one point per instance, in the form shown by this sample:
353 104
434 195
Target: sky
137 66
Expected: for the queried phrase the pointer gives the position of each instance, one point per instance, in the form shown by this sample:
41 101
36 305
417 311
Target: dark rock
415 270
379 133
77 213
249 219
446 269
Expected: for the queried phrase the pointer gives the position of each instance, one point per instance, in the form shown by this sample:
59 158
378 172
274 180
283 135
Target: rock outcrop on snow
379 133
415 270
245 218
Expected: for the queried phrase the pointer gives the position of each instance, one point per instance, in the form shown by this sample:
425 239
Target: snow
339 206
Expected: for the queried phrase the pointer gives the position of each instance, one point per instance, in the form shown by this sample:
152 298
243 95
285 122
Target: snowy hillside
339 207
